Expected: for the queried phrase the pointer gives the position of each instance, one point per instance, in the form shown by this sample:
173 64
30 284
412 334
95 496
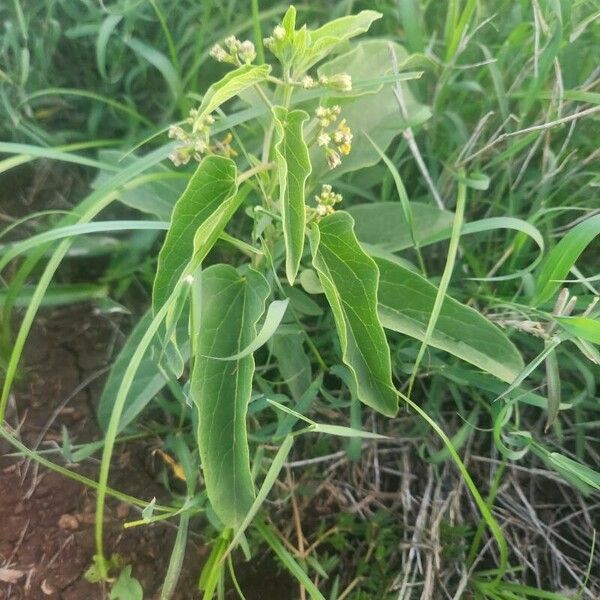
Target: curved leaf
562 257
272 320
160 61
230 85
293 166
106 29
230 304
584 328
349 278
324 39
405 303
198 219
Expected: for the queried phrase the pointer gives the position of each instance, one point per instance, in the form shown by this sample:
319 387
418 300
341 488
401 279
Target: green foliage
293 166
126 587
405 302
198 219
463 287
229 306
349 278
234 83
562 257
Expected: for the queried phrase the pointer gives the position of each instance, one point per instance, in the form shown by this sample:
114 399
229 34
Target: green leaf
349 278
160 61
230 304
562 257
384 224
581 327
293 166
198 219
265 488
157 197
375 112
553 389
292 362
272 320
126 587
231 85
105 31
323 40
405 303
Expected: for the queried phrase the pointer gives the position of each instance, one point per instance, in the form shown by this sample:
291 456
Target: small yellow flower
345 148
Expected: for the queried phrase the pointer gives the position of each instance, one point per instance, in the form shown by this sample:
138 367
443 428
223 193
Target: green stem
260 51
489 501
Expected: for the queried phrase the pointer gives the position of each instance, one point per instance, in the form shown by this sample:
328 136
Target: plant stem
253 171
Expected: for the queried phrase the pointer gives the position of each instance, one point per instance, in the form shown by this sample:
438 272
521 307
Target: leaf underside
405 303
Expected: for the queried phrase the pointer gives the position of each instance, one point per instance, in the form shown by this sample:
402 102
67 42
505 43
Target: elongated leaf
562 257
230 305
293 166
198 218
405 303
553 390
265 488
582 327
160 61
383 226
232 84
60 294
106 29
324 39
349 278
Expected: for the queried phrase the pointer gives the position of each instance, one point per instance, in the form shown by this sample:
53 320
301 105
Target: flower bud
279 32
333 159
341 81
247 51
218 53
323 139
308 82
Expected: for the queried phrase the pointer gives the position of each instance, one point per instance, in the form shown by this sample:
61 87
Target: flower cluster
237 53
340 137
339 81
274 42
327 200
308 82
196 140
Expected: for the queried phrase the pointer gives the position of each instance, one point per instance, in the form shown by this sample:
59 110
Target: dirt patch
47 520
